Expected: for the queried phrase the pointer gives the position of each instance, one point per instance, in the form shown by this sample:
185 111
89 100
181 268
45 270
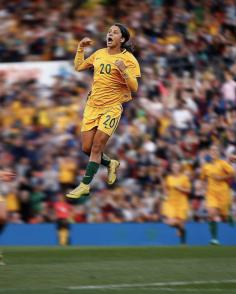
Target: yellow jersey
109 87
174 196
218 168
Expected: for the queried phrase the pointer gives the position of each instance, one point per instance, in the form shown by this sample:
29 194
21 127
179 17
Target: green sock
105 160
213 230
230 220
91 170
182 235
2 226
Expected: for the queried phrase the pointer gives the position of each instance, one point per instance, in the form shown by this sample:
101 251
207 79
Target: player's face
114 37
214 152
176 168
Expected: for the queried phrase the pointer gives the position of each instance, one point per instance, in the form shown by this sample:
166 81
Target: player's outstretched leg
181 231
230 220
213 225
182 234
84 187
99 142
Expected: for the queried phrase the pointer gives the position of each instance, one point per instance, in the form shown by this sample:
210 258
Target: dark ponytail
127 44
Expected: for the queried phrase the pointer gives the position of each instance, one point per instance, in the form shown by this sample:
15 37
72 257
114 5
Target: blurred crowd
186 102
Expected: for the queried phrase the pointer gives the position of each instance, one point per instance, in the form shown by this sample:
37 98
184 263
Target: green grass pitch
129 270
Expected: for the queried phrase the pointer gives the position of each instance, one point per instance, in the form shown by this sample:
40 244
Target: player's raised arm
80 63
130 79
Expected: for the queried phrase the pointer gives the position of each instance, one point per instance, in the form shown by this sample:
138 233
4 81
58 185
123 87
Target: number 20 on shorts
110 122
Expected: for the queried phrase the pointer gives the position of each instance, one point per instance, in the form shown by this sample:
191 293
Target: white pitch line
203 290
144 285
187 289
164 286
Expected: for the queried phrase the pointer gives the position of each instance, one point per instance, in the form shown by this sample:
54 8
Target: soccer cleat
114 164
81 190
214 242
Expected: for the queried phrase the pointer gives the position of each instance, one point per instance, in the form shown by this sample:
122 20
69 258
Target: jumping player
115 76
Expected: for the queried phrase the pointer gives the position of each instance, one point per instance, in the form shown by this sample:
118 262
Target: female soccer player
217 175
115 76
4 176
176 205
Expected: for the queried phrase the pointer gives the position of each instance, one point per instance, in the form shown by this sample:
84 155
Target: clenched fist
85 42
120 64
